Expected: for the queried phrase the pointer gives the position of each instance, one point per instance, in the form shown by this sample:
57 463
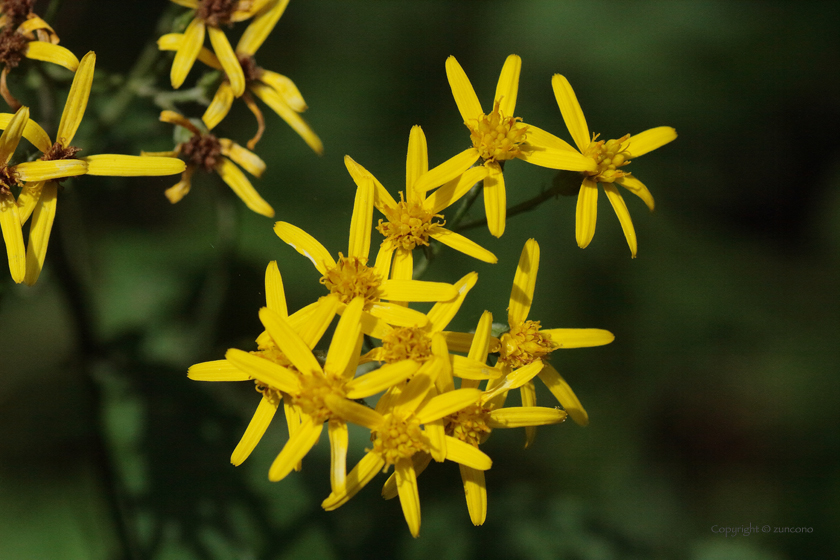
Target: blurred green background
715 406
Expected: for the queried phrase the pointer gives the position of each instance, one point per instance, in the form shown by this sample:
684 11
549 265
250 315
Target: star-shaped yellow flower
499 136
608 157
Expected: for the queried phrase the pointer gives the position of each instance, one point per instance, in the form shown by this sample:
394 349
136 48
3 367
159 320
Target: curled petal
229 60
219 107
187 52
636 187
41 50
620 208
240 184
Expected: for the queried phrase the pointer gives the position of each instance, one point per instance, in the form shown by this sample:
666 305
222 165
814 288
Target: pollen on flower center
202 150
351 278
523 344
408 225
313 391
8 178
406 343
609 156
469 424
273 395
496 136
216 12
399 438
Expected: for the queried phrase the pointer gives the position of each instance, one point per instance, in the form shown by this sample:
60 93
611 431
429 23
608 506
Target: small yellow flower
608 157
206 152
415 219
498 136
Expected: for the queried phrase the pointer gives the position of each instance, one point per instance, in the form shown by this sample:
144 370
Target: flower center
16 11
408 225
313 390
58 151
609 156
523 344
406 343
496 136
272 353
469 424
351 278
249 68
202 150
216 12
8 178
398 438
12 47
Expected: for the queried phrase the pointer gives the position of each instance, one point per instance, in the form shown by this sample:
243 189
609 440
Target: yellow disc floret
523 344
496 136
609 156
400 437
351 278
408 225
406 343
469 424
313 391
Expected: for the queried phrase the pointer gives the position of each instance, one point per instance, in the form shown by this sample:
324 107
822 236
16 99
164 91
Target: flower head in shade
609 158
204 151
415 219
59 161
499 136
210 16
275 90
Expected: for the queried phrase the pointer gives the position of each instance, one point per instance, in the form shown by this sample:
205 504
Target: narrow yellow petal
649 140
339 439
462 91
458 342
467 368
243 188
39 170
295 449
187 52
453 190
289 342
495 200
41 50
362 473
271 98
173 41
514 380
306 245
397 315
216 370
554 158
420 461
254 432
442 313
275 295
447 171
180 189
466 454
522 416
620 208
172 117
538 139
39 232
378 380
409 496
345 337
359 174
258 30
118 165
508 85
571 111
245 158
436 432
475 490
28 198
285 88
464 245
354 412
229 60
579 338
447 403
528 395
636 187
77 99
480 344
417 290
414 393
524 282
384 256
560 389
586 213
32 132
12 236
12 134
403 266
361 220
312 321
219 107
264 370
416 161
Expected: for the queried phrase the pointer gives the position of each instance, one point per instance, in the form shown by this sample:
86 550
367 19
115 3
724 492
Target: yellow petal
538 139
554 158
515 380
12 236
295 449
285 88
173 41
508 85
571 111
579 338
248 160
586 213
409 497
480 344
306 245
524 282
32 132
378 380
560 389
361 220
458 342
12 134
436 433
187 52
359 174
495 199
475 490
403 264
45 170
362 473
453 190
413 394
229 60
289 342
118 165
28 198
649 140
77 99
271 98
620 208
522 416
219 107
216 370
257 32
467 368
528 396
636 187
41 50
382 264
266 371
312 321
446 171
416 161
447 403
180 189
345 337
397 315
462 91
420 461
39 232
442 313
275 295
243 188
417 290
354 412
464 245
466 454
337 430
254 432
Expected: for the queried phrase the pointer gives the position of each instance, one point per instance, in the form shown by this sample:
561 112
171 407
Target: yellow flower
608 157
59 161
206 152
210 15
414 219
277 91
397 436
498 136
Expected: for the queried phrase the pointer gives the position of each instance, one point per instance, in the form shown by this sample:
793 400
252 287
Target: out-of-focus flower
608 157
